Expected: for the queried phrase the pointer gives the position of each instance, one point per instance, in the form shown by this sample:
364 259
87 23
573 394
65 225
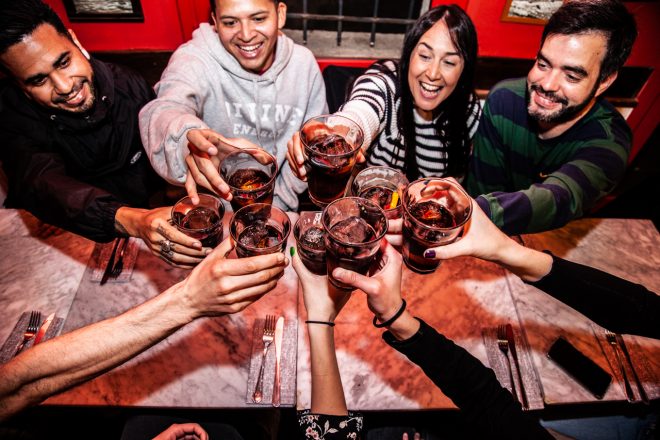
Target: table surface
206 364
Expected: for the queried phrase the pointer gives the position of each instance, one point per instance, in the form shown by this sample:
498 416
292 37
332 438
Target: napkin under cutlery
640 361
99 261
497 363
16 336
287 365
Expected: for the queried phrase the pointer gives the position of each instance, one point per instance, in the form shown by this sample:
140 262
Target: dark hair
451 126
213 5
609 17
19 18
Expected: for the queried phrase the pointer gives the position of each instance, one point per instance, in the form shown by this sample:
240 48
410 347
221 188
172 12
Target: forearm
78 356
472 387
596 294
529 264
327 392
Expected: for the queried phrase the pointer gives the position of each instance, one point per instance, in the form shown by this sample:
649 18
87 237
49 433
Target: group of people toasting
89 146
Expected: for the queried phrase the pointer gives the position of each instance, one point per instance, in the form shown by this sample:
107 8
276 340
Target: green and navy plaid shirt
526 184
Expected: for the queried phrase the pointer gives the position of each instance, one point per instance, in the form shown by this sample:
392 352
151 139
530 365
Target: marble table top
205 365
465 295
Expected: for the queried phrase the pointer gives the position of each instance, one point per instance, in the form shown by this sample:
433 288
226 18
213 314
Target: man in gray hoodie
240 81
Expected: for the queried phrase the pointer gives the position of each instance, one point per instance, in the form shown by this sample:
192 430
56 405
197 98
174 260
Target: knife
111 262
624 349
512 345
43 329
279 332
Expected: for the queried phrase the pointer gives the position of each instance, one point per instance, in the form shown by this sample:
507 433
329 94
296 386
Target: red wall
168 23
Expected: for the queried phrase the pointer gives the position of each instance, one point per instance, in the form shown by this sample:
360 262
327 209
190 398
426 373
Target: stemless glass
259 229
202 221
354 227
383 186
310 240
331 144
435 210
250 174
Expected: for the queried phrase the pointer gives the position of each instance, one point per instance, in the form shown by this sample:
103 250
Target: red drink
202 222
311 248
418 239
258 236
341 253
251 186
331 164
381 196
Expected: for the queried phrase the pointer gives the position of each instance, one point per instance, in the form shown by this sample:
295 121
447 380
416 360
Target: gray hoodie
204 86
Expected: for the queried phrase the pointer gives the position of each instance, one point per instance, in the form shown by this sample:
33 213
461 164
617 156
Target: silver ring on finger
168 255
166 247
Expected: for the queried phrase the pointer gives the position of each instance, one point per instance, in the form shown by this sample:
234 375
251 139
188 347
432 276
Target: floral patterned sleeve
323 426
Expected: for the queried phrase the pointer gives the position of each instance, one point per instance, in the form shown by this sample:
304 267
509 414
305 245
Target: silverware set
617 343
272 332
506 343
114 267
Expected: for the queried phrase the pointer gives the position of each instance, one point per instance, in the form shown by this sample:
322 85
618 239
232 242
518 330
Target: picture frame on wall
104 10
530 11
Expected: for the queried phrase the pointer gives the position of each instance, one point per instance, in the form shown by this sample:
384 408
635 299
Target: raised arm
488 407
592 292
217 286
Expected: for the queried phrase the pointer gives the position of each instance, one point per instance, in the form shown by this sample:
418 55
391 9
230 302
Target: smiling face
563 84
435 68
248 29
51 70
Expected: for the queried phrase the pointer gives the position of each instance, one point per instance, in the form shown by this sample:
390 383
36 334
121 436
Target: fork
611 339
119 265
267 338
31 330
503 344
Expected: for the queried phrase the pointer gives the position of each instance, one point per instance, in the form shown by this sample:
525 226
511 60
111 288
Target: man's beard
85 106
565 113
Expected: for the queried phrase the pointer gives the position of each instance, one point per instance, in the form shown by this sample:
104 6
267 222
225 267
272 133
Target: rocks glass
354 227
331 145
383 186
250 174
259 229
202 221
434 213
310 238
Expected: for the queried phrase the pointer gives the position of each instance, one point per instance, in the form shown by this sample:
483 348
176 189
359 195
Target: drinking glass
250 174
310 238
435 210
259 229
354 227
202 221
383 186
331 144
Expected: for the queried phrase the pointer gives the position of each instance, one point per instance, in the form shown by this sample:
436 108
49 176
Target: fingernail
208 251
197 245
338 272
429 253
292 251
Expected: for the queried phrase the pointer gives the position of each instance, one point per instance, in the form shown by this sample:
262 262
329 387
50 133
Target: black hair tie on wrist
393 318
331 324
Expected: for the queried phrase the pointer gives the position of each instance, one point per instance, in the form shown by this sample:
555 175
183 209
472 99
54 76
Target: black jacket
74 171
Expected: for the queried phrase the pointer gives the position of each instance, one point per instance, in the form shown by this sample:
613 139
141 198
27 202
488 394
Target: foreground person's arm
487 407
323 303
590 291
217 286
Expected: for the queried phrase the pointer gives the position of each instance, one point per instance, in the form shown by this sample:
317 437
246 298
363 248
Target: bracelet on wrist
331 324
393 318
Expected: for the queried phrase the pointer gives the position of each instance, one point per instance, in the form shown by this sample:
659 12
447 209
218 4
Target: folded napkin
16 336
639 359
287 365
498 364
99 260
